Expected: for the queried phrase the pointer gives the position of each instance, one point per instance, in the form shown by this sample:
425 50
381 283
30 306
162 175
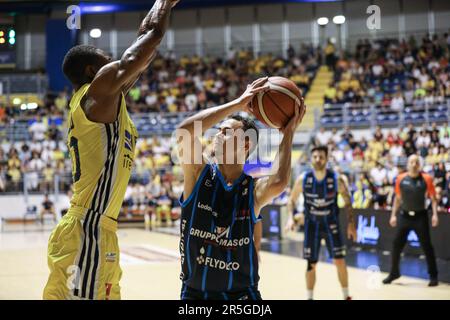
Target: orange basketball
276 106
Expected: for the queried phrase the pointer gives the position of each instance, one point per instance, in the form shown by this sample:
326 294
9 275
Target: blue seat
337 120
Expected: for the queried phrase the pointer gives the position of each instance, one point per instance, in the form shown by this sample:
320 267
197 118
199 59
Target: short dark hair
76 61
248 124
320 149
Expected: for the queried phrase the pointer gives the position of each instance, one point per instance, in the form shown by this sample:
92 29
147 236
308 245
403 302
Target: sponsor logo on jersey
307 252
183 227
127 161
245 192
222 232
319 212
220 238
206 208
216 263
208 183
111 257
243 214
128 141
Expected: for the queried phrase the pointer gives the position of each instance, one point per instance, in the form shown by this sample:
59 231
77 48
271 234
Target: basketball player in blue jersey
320 188
221 204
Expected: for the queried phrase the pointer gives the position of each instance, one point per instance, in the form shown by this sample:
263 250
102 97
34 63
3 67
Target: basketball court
151 267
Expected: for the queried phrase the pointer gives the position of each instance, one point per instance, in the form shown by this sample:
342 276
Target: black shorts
318 228
251 293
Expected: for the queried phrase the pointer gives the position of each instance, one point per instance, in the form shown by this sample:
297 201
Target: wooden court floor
151 271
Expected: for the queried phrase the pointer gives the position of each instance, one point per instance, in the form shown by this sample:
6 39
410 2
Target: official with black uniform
411 190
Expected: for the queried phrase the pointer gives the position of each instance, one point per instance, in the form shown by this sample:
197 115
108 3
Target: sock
345 293
309 294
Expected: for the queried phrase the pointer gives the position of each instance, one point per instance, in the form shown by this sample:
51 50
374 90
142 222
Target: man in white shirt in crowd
378 174
397 103
335 136
423 140
191 100
322 137
34 167
38 129
396 150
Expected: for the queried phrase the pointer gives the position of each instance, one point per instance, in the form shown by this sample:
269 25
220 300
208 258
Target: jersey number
74 145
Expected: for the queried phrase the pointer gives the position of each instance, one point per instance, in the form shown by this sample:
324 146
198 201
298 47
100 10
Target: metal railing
370 115
17 128
24 83
334 116
36 183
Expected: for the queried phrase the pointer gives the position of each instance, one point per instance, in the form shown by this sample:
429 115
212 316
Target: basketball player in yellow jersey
83 251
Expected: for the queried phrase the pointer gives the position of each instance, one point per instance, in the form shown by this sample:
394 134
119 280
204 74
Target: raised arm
345 193
104 94
266 189
188 133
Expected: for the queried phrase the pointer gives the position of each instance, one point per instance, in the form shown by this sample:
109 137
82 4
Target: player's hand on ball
292 125
351 231
393 221
259 85
434 221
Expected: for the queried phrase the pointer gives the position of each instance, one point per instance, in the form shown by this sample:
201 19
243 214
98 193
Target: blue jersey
321 216
217 222
320 197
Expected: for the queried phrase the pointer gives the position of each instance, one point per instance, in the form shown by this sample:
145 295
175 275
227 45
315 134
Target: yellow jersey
102 158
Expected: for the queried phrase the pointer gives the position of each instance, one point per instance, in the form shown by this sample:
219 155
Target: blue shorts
318 228
251 293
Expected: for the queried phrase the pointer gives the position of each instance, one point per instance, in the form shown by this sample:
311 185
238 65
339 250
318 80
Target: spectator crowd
373 161
390 73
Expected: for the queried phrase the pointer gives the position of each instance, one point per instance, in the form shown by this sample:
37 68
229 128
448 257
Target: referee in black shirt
411 191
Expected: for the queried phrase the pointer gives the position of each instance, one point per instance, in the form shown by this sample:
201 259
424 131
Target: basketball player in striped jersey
221 204
320 187
83 251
